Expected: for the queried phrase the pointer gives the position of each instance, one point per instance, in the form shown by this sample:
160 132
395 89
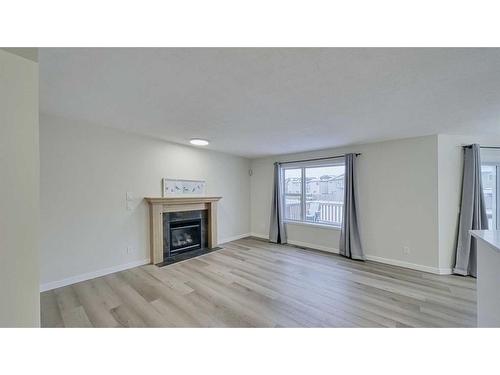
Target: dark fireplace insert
185 234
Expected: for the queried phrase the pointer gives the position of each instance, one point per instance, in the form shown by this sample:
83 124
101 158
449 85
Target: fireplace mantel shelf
159 206
182 200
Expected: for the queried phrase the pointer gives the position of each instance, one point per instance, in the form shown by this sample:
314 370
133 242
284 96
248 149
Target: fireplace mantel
182 200
157 206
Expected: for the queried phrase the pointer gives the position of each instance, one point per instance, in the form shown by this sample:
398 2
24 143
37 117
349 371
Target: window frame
303 165
495 164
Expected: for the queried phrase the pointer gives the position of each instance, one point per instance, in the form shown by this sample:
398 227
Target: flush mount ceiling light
198 142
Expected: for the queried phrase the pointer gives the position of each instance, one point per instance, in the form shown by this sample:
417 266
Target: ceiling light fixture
198 142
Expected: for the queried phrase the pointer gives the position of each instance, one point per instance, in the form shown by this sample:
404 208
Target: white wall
86 171
19 187
398 192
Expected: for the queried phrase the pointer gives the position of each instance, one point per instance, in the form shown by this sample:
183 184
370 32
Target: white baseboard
258 235
234 238
106 271
91 275
413 266
393 262
446 271
301 244
314 247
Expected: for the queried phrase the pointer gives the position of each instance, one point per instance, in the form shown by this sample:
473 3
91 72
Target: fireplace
183 232
182 227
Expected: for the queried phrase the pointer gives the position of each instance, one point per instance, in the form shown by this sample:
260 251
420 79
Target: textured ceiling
262 101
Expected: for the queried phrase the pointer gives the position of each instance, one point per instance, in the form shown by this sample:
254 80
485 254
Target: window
490 176
314 192
293 194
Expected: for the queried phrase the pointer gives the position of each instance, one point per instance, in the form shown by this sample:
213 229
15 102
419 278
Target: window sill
316 225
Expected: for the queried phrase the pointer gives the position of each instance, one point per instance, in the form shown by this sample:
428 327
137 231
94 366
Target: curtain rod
492 147
316 159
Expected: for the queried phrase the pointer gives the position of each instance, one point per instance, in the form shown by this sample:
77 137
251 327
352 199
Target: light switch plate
129 196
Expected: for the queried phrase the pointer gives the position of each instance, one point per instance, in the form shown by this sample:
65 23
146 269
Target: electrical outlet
406 250
129 196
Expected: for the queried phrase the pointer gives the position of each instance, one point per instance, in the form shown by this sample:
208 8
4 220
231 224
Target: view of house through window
314 194
490 175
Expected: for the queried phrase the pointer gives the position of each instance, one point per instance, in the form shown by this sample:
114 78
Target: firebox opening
185 236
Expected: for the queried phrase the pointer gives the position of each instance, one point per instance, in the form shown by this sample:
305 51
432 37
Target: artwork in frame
176 187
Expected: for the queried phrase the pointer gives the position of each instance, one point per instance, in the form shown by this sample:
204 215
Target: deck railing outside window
327 212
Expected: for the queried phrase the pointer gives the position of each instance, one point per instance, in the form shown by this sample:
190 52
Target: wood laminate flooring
252 283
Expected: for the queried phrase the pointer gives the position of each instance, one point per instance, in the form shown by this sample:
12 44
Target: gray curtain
472 212
277 232
350 241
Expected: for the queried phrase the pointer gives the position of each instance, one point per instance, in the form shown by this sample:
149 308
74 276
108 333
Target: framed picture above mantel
176 187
